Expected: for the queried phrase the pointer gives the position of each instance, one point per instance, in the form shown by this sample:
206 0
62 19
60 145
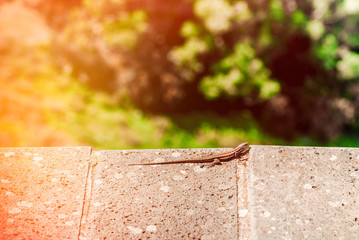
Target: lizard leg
216 161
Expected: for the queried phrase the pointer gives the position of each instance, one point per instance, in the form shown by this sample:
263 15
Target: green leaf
299 19
189 29
276 10
327 51
216 14
348 66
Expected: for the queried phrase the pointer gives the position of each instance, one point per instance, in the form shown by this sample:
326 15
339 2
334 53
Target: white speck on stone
260 186
10 220
200 202
198 169
242 212
165 188
118 175
273 228
178 177
47 202
176 154
151 228
266 214
15 210
190 212
318 229
69 223
333 158
221 209
97 153
8 193
28 154
299 222
78 197
62 216
334 204
97 204
54 180
272 156
36 154
328 190
37 159
5 181
24 204
307 186
306 221
254 178
98 181
8 154
273 219
157 153
357 157
134 230
355 174
76 213
183 172
282 210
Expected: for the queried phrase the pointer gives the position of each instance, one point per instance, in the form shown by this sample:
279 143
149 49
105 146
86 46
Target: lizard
239 151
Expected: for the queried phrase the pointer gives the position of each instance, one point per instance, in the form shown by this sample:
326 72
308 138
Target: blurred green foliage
97 120
238 74
123 30
201 73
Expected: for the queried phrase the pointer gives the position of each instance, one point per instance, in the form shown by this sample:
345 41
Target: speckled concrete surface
280 193
42 192
180 201
304 192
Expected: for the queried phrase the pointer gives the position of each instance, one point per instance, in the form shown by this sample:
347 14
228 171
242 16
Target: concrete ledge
42 192
304 192
280 193
180 201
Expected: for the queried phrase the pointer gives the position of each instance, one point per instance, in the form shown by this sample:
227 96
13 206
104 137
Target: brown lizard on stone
238 152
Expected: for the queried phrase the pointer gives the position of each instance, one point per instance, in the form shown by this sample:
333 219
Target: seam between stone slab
87 195
243 208
237 196
252 220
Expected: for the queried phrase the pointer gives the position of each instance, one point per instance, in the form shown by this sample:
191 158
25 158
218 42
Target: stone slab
42 192
179 201
304 192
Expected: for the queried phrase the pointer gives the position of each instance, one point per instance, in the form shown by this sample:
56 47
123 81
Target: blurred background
119 74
